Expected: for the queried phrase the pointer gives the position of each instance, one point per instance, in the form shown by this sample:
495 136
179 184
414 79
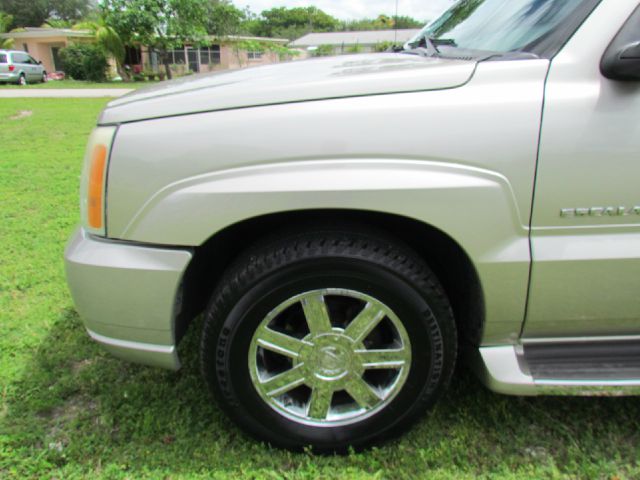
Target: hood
315 79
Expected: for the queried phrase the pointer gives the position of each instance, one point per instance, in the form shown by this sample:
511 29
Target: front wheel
329 339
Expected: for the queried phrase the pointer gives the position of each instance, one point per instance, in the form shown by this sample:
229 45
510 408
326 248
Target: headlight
94 180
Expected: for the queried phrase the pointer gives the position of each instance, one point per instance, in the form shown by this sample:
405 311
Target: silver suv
20 67
350 226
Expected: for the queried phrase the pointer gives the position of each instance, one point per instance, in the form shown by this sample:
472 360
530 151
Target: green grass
68 410
79 84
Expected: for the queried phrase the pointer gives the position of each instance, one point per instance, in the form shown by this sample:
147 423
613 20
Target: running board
580 368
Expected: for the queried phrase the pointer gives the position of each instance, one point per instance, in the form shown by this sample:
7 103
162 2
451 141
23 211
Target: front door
585 240
55 55
192 57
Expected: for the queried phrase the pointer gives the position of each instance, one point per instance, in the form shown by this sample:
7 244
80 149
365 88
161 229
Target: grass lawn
80 84
68 410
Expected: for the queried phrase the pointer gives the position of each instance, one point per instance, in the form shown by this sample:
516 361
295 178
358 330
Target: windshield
498 25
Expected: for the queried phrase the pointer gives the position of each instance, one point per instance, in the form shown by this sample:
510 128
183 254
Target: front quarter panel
462 160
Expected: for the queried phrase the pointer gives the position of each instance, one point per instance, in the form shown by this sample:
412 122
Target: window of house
25 47
204 56
132 55
214 52
254 55
210 55
178 57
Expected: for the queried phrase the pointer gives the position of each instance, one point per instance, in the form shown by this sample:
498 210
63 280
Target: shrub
84 61
323 51
384 46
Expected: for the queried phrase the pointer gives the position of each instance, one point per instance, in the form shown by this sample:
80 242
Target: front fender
475 207
461 201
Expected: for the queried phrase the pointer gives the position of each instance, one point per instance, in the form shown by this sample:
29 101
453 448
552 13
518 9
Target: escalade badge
600 212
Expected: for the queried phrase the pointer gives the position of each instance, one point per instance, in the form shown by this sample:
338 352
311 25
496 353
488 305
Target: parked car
350 225
20 67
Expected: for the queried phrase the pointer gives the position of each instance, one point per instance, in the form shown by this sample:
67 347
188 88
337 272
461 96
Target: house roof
366 37
240 38
36 32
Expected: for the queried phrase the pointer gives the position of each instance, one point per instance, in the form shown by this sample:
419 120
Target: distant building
230 52
44 44
225 53
346 42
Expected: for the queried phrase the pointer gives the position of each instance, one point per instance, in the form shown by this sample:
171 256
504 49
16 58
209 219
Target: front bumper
126 294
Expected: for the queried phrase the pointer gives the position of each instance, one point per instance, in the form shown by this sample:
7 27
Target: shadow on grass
77 410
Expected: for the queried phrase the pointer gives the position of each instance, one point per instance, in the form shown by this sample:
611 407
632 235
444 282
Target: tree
382 22
160 24
223 18
293 22
35 12
108 40
84 61
5 21
403 22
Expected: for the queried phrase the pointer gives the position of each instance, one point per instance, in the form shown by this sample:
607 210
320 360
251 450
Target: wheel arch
443 254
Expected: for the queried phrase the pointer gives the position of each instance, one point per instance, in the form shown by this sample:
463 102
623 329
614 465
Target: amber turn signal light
96 185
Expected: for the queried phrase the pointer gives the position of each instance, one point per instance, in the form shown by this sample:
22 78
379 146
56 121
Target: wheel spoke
319 403
316 313
383 358
279 342
283 382
362 393
365 322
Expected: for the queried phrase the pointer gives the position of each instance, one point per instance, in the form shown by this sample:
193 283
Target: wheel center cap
332 360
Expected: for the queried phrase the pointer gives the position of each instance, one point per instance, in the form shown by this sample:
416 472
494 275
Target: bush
323 51
84 61
384 46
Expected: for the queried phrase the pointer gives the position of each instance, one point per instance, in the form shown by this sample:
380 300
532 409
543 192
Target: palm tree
5 21
109 40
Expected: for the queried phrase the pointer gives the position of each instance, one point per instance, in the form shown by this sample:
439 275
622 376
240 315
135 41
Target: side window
3 58
19 57
32 60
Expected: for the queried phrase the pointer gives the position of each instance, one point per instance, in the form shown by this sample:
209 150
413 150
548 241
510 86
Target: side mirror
622 64
39 62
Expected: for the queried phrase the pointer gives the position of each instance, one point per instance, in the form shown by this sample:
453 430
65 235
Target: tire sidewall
430 367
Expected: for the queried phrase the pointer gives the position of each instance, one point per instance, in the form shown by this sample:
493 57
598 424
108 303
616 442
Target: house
229 52
218 53
44 44
345 42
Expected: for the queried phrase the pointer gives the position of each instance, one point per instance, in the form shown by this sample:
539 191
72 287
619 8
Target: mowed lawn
55 84
68 410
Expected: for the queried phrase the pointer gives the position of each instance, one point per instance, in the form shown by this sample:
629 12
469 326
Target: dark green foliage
33 13
223 18
323 51
382 22
292 22
84 61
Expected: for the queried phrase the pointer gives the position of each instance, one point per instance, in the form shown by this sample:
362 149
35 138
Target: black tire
22 80
365 261
45 79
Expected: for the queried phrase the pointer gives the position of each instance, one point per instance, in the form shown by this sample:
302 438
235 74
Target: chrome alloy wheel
329 357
